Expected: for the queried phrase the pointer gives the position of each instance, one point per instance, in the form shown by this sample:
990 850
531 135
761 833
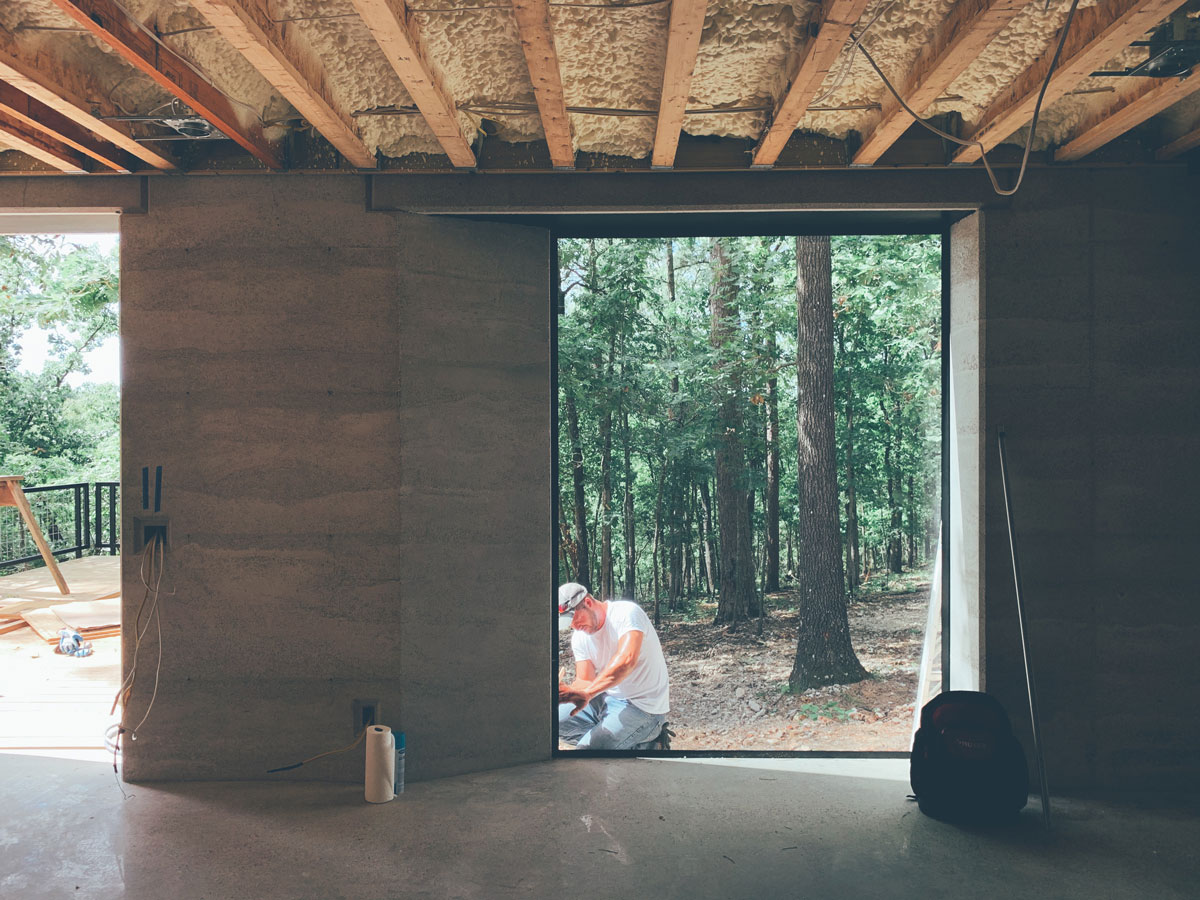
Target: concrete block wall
1092 323
351 410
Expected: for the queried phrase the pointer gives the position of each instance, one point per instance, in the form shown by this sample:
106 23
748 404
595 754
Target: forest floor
729 690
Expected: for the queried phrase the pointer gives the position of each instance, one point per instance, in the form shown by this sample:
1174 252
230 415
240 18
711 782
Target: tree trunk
662 471
606 422
824 654
771 501
852 559
737 560
706 504
630 564
567 549
583 573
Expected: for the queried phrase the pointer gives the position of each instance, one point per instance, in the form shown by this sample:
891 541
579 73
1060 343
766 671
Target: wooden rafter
1147 98
537 40
833 22
20 136
1097 34
53 124
298 76
1181 144
969 28
63 90
388 22
683 43
139 47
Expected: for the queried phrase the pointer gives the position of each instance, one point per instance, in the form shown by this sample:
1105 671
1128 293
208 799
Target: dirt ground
728 690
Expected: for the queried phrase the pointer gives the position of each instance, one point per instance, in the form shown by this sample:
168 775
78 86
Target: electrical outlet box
147 528
366 712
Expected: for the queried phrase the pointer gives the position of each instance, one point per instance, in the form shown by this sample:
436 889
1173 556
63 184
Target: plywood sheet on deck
89 578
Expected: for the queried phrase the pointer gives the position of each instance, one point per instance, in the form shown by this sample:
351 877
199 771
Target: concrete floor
572 829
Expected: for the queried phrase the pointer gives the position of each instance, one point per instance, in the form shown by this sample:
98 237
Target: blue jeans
607 724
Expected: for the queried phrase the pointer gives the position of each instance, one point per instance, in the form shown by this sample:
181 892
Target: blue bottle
398 788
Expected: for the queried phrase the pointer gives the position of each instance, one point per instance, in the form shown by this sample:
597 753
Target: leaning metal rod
1033 713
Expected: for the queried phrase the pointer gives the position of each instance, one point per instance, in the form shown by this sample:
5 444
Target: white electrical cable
973 143
849 64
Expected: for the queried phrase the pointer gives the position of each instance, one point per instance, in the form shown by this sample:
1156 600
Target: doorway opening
750 449
60 542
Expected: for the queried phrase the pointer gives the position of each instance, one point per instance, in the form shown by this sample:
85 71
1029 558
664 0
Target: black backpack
967 765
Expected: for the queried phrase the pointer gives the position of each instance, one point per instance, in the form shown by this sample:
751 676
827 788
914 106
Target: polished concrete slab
570 828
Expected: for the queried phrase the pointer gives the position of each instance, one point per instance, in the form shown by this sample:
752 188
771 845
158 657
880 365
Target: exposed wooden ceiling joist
138 47
64 90
1147 97
1097 34
29 140
1181 144
54 124
387 21
299 77
537 40
961 38
683 43
833 22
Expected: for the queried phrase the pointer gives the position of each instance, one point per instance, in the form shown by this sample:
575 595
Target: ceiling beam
958 42
54 124
1181 144
1148 97
28 140
63 89
537 40
298 76
833 23
139 47
683 44
388 22
1098 33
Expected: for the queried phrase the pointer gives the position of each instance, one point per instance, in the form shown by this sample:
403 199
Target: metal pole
1033 712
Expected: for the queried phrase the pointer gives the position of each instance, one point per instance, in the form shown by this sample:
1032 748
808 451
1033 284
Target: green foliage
635 342
52 432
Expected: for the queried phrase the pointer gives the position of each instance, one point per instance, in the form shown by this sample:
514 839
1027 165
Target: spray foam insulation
611 58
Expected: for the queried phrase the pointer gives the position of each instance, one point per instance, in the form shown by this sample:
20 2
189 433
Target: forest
744 415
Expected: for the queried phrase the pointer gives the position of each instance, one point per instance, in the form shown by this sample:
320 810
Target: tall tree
772 488
583 571
824 654
737 555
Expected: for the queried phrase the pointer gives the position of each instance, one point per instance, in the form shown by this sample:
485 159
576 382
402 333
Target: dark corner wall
1090 335
352 412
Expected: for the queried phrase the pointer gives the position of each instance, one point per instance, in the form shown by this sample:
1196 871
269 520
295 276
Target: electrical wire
970 142
349 746
150 571
849 64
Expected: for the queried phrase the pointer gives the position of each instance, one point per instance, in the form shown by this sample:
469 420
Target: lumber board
67 91
387 22
834 22
297 75
683 44
958 42
541 58
1097 34
135 44
1147 98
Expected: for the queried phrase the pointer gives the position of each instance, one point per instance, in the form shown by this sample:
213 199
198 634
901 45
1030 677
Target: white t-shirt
647 686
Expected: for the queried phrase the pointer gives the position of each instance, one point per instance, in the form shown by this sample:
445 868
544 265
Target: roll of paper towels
380 778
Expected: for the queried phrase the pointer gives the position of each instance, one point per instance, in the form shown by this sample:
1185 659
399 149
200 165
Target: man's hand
570 694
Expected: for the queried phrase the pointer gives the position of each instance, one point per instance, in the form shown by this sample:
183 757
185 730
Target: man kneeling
619 698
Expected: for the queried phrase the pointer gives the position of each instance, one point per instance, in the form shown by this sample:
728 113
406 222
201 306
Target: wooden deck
51 704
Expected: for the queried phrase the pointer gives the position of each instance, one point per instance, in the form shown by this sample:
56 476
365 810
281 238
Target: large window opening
750 450
60 644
